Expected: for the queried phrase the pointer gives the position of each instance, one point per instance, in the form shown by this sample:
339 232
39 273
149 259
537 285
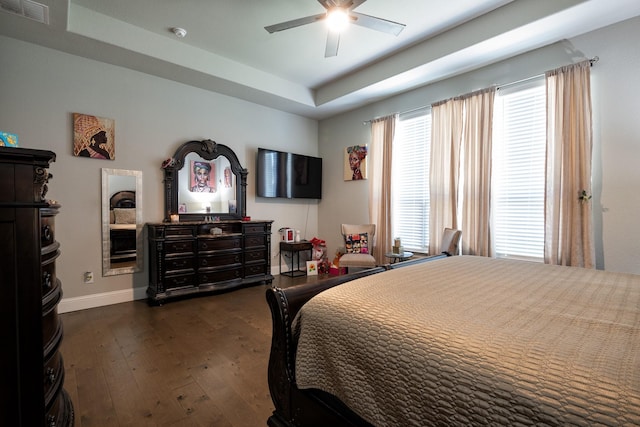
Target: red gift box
337 271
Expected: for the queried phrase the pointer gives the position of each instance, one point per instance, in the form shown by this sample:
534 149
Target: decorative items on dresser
206 242
196 257
32 378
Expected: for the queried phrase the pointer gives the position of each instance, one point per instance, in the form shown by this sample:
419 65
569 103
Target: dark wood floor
194 362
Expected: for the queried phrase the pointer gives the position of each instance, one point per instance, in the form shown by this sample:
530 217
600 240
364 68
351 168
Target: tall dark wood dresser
32 370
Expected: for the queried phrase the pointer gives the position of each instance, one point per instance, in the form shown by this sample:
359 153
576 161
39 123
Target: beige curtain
568 219
476 173
446 134
382 132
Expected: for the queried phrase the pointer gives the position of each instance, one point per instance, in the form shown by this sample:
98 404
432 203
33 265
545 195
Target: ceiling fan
342 12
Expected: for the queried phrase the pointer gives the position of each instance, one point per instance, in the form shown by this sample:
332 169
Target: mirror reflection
204 181
121 221
206 186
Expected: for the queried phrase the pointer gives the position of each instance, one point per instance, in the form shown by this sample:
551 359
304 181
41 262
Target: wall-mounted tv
288 175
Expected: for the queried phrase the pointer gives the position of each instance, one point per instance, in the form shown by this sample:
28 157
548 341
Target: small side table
398 257
294 248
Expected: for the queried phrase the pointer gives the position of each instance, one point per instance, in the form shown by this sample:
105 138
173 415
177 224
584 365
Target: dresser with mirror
206 243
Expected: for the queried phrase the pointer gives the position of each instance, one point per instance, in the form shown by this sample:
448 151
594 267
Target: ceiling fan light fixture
337 19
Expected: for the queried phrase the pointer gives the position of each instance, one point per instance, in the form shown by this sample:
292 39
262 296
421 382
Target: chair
450 241
359 242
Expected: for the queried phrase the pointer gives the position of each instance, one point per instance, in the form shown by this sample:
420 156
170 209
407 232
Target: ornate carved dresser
186 258
31 382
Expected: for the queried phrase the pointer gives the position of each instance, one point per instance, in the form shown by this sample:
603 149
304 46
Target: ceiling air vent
27 8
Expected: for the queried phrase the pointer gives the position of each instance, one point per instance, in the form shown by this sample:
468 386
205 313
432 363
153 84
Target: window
518 171
410 180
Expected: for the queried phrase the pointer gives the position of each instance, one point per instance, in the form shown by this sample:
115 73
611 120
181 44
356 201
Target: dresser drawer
47 230
255 270
179 246
51 332
210 277
254 228
53 375
183 263
255 255
60 413
255 240
179 281
176 231
48 276
220 243
220 260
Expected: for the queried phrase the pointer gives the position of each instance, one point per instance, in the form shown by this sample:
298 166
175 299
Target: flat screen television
288 175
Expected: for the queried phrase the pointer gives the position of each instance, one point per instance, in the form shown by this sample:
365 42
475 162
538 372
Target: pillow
357 243
125 215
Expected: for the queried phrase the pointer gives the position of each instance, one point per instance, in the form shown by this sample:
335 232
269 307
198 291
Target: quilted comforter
477 341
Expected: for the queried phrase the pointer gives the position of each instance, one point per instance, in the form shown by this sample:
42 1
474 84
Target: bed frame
294 406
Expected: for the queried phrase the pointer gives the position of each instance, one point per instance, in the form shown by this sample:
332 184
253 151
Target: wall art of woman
201 177
93 137
355 167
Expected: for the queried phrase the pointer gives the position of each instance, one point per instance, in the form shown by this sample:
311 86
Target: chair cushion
357 243
357 260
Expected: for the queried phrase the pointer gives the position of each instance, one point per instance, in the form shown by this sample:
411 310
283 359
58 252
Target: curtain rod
592 61
397 112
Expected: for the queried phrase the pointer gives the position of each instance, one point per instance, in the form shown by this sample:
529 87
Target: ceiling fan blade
377 24
333 40
295 23
355 3
328 4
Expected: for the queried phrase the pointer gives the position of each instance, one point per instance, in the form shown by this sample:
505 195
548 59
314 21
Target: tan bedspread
478 341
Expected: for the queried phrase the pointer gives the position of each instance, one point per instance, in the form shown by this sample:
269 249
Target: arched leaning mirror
204 180
122 239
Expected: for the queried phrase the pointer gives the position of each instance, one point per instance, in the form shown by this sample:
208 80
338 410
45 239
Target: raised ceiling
227 49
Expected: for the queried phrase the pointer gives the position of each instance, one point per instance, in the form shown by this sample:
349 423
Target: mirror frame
208 150
106 232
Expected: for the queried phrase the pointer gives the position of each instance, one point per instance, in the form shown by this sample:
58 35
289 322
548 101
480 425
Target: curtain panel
380 152
446 136
568 217
476 173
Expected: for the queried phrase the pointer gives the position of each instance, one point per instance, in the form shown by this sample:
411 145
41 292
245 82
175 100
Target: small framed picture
8 139
312 268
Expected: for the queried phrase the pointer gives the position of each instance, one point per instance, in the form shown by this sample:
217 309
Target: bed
457 341
122 226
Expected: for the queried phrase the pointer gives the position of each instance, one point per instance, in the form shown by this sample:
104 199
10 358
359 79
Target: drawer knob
51 375
46 233
46 280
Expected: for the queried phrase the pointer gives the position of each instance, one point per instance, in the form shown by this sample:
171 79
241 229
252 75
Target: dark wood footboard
295 407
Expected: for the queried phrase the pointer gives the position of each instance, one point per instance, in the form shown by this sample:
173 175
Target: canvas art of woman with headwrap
201 181
356 156
93 137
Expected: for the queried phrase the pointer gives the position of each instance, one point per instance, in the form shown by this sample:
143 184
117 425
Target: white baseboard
99 300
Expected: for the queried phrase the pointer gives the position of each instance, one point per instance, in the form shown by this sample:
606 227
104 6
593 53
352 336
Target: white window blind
518 171
410 180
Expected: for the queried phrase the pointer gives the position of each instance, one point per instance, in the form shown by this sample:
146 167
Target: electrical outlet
88 277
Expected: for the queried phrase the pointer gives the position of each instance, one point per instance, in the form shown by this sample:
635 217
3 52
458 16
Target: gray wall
40 89
616 102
